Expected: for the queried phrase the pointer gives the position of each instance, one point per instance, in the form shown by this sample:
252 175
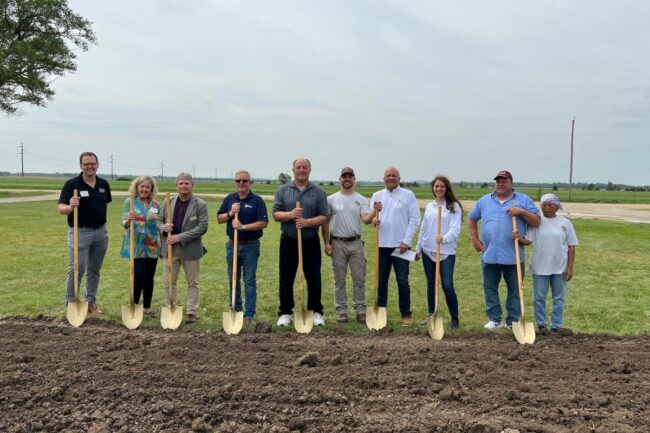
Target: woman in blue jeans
452 213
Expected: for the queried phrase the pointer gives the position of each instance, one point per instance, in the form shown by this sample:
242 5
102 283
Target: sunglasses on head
242 180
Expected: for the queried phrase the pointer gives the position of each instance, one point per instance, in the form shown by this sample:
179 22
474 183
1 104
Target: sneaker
150 314
248 322
492 325
407 321
453 324
340 318
284 320
92 308
541 329
506 326
191 318
361 317
319 320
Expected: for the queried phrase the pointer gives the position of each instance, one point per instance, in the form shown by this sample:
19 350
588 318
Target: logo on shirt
102 190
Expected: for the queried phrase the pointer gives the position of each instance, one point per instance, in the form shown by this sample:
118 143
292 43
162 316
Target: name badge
84 194
102 190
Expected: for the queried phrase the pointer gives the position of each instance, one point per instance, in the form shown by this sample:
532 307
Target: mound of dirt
105 378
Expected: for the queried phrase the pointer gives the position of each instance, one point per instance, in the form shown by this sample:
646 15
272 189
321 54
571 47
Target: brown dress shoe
361 318
407 321
92 308
191 318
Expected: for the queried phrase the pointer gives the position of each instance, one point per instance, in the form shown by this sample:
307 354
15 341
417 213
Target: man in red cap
497 247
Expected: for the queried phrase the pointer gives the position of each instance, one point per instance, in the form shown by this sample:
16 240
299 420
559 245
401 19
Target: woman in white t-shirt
554 251
452 214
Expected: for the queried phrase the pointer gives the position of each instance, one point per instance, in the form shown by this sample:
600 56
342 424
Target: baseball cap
347 170
503 173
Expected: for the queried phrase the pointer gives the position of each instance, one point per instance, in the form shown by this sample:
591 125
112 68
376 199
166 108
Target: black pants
144 271
311 260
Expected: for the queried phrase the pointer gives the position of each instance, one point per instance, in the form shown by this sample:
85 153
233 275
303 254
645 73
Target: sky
460 88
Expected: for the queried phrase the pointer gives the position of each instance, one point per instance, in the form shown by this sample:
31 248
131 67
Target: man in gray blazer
185 233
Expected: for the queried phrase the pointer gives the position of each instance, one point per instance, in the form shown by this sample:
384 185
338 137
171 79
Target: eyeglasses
242 180
347 175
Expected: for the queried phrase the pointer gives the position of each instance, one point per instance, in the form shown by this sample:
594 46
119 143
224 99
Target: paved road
638 213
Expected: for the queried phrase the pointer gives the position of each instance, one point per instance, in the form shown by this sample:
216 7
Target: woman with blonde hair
146 237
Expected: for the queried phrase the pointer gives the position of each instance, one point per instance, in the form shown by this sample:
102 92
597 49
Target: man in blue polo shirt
251 222
497 246
92 202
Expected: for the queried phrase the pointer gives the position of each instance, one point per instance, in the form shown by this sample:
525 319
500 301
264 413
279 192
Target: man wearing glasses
251 220
93 199
342 239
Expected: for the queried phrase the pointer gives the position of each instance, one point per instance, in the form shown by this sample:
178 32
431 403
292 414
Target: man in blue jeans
251 222
497 247
398 220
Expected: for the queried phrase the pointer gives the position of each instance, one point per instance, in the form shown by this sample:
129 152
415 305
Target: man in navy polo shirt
252 220
497 246
93 199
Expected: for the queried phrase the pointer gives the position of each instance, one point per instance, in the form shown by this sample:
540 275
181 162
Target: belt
246 242
350 239
92 227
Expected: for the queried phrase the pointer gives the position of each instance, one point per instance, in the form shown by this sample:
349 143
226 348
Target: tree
284 178
34 37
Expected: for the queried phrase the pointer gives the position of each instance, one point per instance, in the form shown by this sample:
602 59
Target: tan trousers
344 255
192 270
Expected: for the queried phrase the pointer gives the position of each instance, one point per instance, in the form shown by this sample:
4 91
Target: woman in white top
452 214
554 253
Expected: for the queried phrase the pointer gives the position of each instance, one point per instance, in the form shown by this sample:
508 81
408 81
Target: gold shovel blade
376 318
77 312
171 317
132 315
524 332
303 321
435 326
233 321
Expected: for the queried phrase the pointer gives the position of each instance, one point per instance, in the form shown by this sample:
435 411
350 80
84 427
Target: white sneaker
319 320
492 325
505 326
284 320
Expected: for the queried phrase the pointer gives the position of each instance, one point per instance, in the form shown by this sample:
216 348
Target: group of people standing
303 208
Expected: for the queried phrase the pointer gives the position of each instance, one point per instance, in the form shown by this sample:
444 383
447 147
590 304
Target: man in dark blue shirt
252 220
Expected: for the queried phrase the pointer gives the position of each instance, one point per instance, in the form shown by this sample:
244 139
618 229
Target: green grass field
423 192
609 293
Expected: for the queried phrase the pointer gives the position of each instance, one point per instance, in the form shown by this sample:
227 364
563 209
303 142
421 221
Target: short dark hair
81 157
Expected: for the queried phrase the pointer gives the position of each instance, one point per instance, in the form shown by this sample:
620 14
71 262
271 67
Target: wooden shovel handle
300 274
376 261
518 260
439 231
132 249
75 245
235 251
170 273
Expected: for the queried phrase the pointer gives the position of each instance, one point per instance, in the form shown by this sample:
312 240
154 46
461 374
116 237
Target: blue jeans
247 256
558 289
401 267
492 274
446 280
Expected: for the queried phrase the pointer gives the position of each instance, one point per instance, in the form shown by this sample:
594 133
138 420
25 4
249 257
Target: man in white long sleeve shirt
398 221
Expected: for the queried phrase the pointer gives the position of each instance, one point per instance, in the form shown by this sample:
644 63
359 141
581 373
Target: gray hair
238 172
293 164
183 175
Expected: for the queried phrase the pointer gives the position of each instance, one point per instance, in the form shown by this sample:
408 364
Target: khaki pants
192 269
350 254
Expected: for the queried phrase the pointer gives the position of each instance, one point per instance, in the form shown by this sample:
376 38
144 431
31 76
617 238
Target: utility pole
194 171
22 159
162 176
112 176
573 122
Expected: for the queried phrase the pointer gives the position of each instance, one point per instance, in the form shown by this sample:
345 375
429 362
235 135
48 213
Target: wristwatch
243 227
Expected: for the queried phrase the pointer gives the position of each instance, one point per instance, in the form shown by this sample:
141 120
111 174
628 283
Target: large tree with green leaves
36 42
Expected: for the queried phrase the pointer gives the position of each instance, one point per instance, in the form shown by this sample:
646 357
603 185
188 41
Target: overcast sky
462 88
